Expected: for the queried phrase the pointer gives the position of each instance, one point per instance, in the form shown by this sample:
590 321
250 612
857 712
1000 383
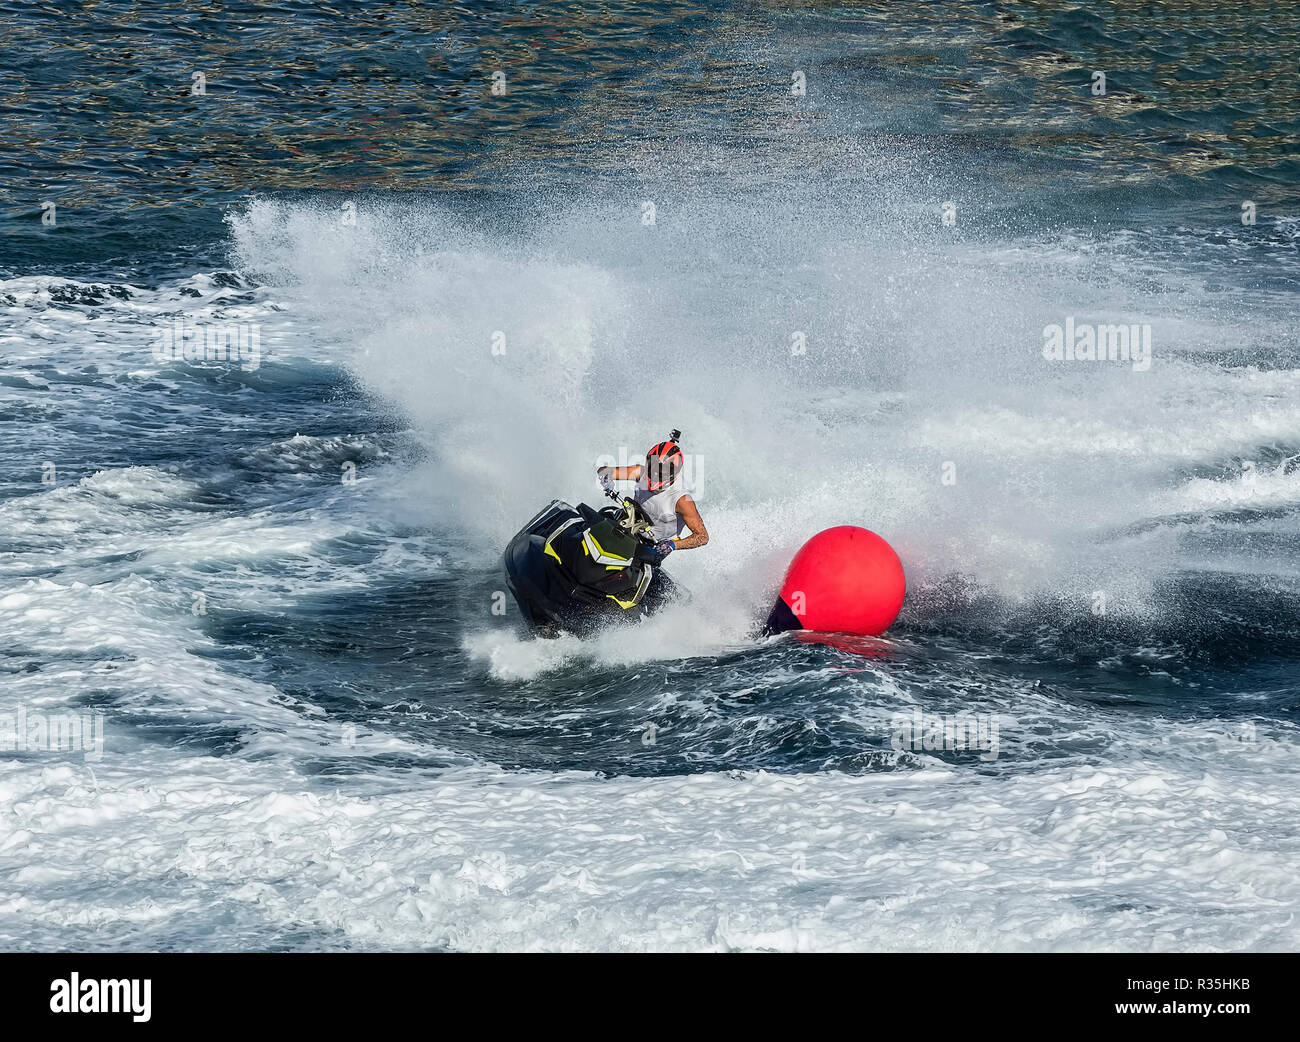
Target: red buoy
843 580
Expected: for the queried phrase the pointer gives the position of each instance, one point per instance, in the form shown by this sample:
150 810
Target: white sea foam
1074 858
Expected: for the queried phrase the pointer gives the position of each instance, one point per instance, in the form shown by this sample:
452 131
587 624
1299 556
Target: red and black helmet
663 463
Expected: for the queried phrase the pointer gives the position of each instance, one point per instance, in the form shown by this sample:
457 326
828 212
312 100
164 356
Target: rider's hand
655 554
606 476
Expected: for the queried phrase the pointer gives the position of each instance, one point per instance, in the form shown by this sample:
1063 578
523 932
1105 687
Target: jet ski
575 569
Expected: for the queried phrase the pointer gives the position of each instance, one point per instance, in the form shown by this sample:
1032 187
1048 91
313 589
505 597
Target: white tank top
661 506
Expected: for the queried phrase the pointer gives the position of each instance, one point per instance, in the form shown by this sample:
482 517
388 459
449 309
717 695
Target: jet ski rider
661 492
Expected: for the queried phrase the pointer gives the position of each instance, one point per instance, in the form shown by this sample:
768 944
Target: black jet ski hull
569 573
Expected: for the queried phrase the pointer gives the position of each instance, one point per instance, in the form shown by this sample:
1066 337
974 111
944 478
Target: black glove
655 554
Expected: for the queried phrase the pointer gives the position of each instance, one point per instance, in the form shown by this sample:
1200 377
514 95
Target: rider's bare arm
691 515
632 473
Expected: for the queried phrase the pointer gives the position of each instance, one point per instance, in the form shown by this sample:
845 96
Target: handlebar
635 519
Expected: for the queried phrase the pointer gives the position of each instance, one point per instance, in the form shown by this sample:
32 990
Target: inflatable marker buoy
843 580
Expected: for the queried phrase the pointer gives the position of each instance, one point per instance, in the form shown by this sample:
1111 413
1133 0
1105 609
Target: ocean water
269 584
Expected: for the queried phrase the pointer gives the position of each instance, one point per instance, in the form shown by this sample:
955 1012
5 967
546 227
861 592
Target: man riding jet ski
661 492
575 568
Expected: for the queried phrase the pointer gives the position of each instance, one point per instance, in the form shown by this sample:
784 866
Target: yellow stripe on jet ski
600 554
554 535
640 591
